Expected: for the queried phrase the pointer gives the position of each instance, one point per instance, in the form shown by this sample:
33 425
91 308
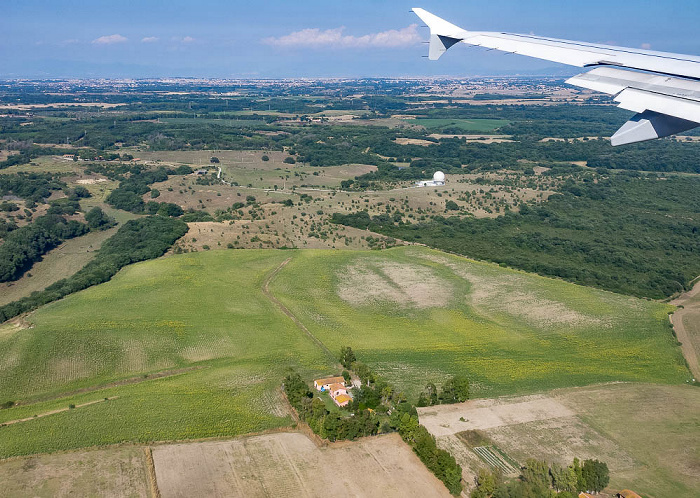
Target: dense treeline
35 187
638 236
137 240
100 134
538 478
25 245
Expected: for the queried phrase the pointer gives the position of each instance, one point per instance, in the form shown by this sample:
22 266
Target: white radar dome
439 176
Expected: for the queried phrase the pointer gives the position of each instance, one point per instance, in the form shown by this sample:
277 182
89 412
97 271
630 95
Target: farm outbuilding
342 400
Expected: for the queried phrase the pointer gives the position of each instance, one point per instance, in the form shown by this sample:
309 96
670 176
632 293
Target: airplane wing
662 88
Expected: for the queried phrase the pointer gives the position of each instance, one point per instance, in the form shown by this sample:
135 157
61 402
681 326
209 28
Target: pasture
189 346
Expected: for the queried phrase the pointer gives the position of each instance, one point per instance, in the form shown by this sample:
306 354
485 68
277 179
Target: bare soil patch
413 141
90 181
403 284
289 464
445 420
510 293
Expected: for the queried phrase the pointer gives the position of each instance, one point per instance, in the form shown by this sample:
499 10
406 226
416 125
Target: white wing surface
662 88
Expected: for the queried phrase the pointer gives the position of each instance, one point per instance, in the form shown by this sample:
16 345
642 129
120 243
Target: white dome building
437 181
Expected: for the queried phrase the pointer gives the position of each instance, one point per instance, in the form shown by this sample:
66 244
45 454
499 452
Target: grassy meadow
202 321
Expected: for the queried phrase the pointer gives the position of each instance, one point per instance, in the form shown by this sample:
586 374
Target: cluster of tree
128 196
631 235
192 215
26 245
377 407
455 390
35 187
328 424
98 220
136 240
540 479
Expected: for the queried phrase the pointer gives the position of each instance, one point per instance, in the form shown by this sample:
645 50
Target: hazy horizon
278 40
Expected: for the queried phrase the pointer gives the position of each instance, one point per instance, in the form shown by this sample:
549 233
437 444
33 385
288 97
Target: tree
451 206
98 220
170 209
596 475
265 158
214 160
80 192
347 356
289 160
429 396
455 390
155 193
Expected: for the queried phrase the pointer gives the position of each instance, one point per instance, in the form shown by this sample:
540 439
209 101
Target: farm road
686 323
286 311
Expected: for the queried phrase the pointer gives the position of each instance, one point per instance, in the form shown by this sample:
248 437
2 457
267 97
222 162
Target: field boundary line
292 316
123 382
151 471
59 410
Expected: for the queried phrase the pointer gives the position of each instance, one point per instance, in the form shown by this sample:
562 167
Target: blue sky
310 38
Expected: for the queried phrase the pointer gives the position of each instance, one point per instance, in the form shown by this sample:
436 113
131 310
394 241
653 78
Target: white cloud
149 39
646 46
109 39
187 39
314 37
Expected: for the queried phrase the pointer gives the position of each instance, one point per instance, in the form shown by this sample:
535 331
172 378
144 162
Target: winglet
649 125
443 34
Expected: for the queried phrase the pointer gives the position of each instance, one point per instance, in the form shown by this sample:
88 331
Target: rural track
292 316
691 307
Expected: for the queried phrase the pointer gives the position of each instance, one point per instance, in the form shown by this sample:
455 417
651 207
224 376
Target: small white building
437 181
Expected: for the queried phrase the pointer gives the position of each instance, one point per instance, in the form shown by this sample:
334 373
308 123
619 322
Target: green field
474 125
413 314
203 310
417 315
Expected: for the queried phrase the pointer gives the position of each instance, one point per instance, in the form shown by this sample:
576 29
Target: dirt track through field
690 312
285 310
60 410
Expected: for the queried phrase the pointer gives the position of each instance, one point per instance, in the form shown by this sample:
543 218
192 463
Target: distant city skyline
314 39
